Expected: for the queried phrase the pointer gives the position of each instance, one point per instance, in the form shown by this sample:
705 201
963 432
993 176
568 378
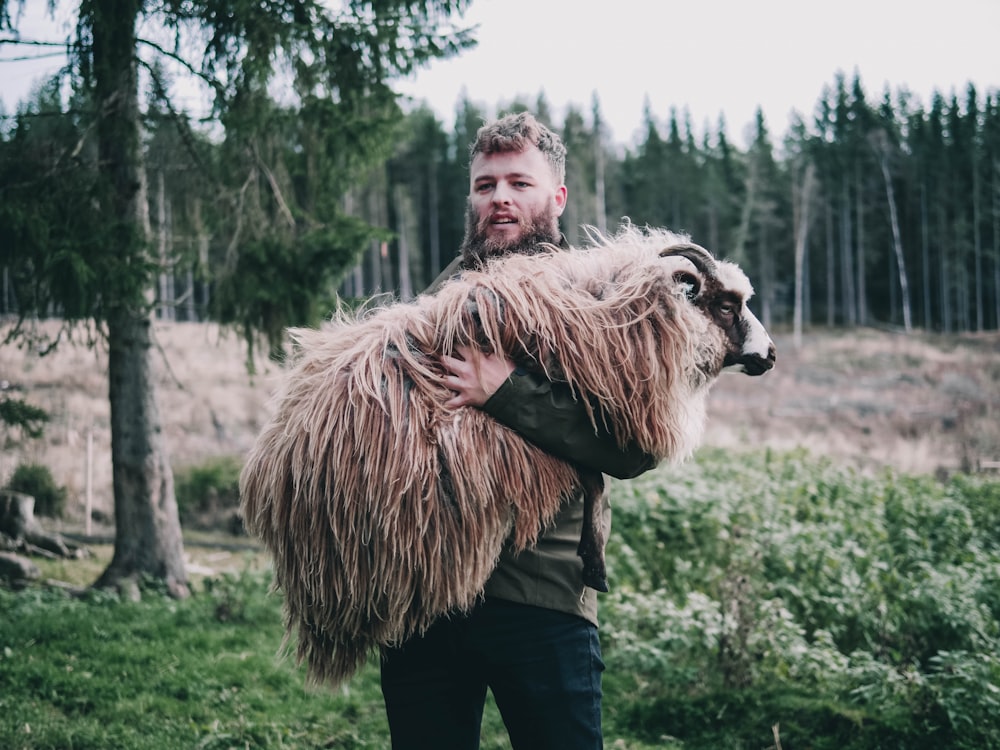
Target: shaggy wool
383 509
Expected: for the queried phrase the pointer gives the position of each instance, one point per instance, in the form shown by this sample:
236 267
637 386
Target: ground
916 403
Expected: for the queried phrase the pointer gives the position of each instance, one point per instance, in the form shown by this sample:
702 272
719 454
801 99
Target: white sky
708 56
712 56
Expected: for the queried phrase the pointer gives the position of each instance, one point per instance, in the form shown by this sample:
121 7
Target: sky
710 58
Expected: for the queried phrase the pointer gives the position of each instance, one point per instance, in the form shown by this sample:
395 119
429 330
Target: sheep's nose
754 364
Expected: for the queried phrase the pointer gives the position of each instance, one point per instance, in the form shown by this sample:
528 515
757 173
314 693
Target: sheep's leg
591 549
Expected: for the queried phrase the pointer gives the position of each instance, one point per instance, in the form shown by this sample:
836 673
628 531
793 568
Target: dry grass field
921 404
918 404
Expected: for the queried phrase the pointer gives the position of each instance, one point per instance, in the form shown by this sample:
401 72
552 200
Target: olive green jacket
551 416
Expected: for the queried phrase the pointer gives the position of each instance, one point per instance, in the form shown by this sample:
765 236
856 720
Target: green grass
749 592
203 673
101 674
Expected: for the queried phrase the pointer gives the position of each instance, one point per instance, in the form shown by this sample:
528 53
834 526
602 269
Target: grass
202 673
100 674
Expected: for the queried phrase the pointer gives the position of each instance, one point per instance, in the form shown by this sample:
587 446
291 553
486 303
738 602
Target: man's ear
560 199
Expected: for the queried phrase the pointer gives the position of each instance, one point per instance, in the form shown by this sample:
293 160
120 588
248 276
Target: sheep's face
724 297
721 291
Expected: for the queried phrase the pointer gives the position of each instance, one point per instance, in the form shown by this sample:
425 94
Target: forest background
871 211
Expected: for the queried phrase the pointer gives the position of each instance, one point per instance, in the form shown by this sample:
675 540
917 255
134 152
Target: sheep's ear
689 283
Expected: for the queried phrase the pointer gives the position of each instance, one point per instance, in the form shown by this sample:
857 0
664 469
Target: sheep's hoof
595 575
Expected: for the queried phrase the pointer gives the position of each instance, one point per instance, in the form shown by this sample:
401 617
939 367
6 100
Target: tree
723 190
600 159
880 144
646 177
803 174
761 224
416 172
580 170
346 55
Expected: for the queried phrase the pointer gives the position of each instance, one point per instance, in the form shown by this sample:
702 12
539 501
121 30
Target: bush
17 414
211 486
36 480
855 611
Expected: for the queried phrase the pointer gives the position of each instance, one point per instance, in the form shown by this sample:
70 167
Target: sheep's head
721 290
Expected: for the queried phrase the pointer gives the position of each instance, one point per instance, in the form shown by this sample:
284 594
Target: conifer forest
870 211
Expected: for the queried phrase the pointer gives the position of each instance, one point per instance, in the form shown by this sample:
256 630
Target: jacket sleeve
550 416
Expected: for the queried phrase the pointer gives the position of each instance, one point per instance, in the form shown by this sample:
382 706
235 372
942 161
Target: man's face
514 203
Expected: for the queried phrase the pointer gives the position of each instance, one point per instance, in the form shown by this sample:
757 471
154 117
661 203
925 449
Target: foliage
18 414
211 485
37 480
52 242
853 611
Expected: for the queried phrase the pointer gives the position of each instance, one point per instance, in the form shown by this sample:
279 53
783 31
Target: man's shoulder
449 271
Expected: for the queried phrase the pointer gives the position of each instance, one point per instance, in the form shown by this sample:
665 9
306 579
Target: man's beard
535 230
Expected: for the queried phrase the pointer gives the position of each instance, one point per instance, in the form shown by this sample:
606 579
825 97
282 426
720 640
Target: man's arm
545 413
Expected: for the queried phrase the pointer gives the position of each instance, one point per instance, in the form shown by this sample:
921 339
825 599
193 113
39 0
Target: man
533 640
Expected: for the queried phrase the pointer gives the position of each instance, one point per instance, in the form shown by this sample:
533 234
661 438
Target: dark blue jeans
544 668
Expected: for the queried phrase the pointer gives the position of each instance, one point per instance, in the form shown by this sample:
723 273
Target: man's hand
474 376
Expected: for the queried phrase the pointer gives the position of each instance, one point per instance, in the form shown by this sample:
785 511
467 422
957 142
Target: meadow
763 599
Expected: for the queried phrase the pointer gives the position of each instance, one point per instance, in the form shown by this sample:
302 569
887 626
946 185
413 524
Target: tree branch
183 130
214 83
35 43
275 190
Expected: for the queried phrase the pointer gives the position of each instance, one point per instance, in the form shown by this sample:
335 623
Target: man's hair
515 132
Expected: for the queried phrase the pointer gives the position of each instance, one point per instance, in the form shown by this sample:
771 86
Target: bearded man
533 639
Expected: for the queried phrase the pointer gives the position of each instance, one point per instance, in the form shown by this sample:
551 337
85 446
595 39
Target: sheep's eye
727 309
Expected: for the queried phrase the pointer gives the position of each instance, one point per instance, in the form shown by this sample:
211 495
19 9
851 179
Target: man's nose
502 194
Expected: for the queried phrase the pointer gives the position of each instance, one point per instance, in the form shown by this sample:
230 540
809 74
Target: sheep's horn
698 255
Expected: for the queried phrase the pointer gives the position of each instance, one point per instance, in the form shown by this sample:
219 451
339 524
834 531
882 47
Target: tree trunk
403 222
831 269
977 245
801 200
148 532
847 267
766 286
19 525
996 243
925 255
434 226
746 214
148 535
897 242
166 276
600 189
944 250
860 266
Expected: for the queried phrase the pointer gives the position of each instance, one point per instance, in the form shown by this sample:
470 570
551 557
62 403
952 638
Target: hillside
919 404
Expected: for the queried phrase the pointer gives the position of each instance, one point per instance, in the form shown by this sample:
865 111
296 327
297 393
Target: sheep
384 510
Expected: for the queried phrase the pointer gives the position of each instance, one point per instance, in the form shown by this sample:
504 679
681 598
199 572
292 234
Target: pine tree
352 56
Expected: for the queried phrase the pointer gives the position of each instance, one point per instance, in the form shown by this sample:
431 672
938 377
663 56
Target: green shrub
21 415
36 480
855 611
211 486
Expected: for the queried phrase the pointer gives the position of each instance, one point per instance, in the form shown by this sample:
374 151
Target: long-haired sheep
384 510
